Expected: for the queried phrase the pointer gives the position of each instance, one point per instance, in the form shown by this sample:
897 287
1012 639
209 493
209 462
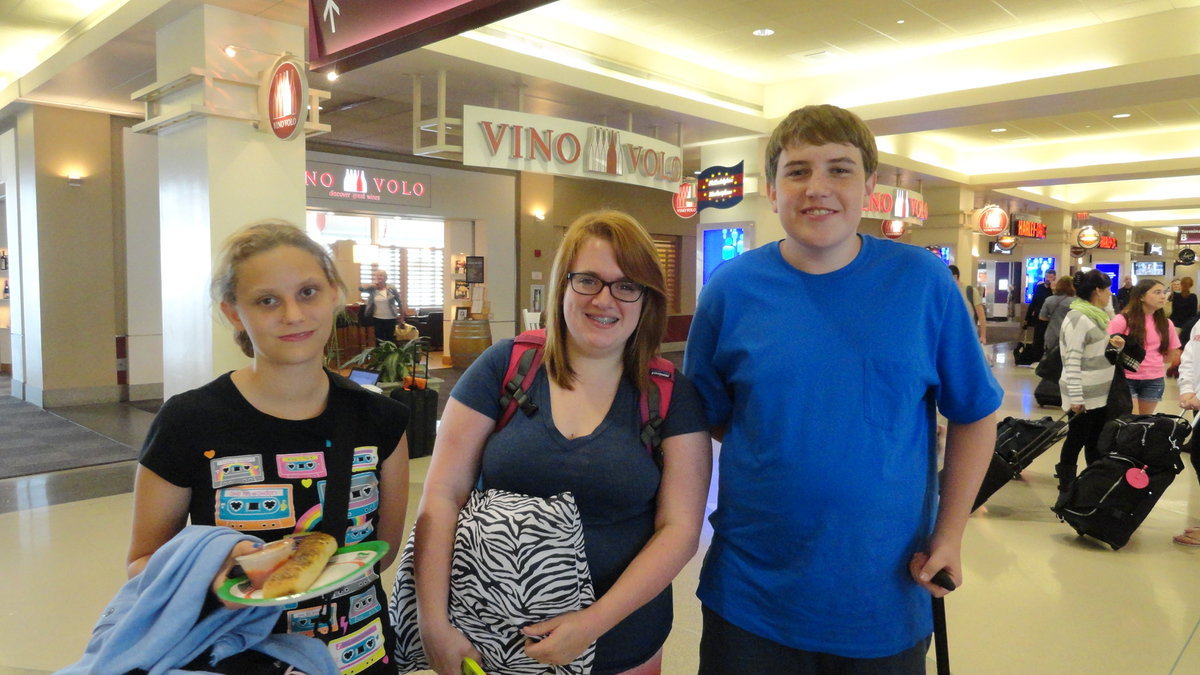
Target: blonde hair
259 238
638 260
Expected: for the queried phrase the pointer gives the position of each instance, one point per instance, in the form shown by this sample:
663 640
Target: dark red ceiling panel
348 34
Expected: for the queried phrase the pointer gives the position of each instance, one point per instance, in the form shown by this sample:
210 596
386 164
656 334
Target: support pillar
216 174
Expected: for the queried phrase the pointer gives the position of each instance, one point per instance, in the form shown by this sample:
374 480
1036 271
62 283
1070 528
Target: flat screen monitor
1112 270
721 245
1035 272
1149 268
362 376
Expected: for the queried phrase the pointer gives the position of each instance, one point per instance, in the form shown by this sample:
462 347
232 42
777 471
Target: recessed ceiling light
1121 116
331 75
900 21
999 130
763 32
230 51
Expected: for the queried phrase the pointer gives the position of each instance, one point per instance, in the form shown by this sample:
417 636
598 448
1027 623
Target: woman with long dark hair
1087 373
1144 321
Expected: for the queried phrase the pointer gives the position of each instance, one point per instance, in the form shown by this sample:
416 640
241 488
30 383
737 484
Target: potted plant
394 362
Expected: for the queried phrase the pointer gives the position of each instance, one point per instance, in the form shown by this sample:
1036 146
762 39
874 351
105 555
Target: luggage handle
1054 432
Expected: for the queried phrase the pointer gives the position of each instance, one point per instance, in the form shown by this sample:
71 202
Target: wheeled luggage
1018 443
1027 352
1047 394
422 419
1115 493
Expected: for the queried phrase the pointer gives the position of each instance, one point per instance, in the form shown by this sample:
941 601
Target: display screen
1113 270
1150 268
721 245
1035 272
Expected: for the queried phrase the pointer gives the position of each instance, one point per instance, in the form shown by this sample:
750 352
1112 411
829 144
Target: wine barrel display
468 339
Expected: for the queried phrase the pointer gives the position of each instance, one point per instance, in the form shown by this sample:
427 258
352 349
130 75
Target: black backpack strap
523 363
514 389
651 435
339 458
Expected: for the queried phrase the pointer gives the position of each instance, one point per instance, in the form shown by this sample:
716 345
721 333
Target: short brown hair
821 125
638 260
1064 286
258 238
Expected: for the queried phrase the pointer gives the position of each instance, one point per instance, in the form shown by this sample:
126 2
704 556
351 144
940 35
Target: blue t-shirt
827 475
610 472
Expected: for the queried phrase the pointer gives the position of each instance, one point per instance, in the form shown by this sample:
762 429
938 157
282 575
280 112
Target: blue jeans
726 649
1146 390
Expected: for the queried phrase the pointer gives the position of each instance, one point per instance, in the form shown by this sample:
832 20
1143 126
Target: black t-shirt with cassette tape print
266 476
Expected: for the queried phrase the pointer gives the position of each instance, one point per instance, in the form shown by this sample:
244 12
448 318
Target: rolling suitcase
1114 494
422 409
422 419
1047 394
1027 353
1018 443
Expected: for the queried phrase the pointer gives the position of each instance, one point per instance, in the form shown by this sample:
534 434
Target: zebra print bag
517 560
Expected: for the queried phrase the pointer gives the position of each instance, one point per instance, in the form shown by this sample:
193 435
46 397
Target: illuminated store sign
1107 242
502 139
721 186
893 203
684 200
1087 237
283 99
323 180
990 220
1028 226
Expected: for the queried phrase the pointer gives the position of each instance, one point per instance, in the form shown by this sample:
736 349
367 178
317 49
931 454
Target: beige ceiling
937 88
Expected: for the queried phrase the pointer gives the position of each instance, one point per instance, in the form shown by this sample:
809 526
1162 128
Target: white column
216 175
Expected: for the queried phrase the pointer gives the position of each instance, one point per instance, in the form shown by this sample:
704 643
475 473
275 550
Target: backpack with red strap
523 365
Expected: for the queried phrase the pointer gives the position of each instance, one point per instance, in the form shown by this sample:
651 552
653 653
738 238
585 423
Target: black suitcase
1018 443
1114 494
422 419
1027 354
1047 394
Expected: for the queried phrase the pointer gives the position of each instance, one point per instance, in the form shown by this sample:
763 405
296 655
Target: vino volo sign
502 139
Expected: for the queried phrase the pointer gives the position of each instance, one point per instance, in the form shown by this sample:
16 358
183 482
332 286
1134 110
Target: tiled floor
1037 599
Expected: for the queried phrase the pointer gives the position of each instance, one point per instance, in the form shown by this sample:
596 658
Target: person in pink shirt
1144 321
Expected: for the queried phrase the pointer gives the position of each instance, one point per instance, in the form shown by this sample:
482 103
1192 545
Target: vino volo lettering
884 202
369 190
544 145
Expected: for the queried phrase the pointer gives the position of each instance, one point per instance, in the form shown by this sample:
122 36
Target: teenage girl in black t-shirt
253 449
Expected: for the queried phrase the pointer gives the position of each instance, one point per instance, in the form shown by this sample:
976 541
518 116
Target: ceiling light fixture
999 130
1121 116
230 51
764 32
900 21
331 75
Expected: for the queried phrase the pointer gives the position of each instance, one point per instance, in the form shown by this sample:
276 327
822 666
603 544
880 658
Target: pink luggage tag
1138 478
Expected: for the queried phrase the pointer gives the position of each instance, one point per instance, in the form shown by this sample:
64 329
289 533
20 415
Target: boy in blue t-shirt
822 360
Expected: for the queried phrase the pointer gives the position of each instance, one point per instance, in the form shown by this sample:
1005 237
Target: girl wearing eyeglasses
640 525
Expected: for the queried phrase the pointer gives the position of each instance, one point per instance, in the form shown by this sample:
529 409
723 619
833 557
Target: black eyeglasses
621 289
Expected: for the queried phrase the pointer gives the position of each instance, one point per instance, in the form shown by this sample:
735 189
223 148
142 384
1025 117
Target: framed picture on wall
462 290
462 313
458 264
474 269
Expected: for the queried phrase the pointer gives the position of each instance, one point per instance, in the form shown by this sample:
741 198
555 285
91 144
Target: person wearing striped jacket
1087 371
